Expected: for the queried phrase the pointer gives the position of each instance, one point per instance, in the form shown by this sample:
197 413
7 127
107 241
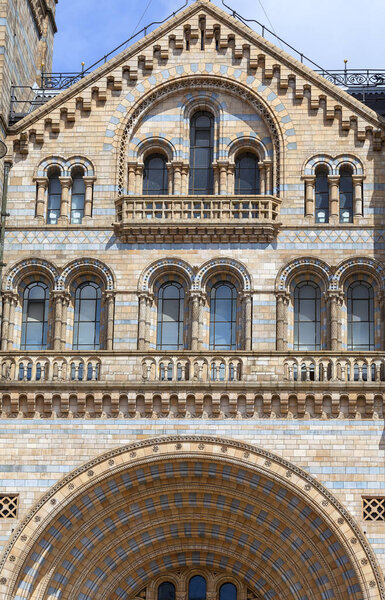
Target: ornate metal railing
355 78
166 217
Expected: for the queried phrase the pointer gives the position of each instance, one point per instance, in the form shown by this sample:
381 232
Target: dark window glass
346 195
307 317
201 153
54 196
87 317
166 591
360 317
170 317
78 196
35 317
228 591
223 317
155 175
247 174
197 588
321 195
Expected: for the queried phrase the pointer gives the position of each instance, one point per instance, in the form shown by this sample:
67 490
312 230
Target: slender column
41 200
177 165
194 302
139 179
170 177
65 200
11 324
65 303
309 195
268 178
358 209
230 180
262 178
334 300
334 181
88 182
216 178
142 321
282 304
58 321
185 176
7 299
223 166
382 317
109 302
131 178
247 302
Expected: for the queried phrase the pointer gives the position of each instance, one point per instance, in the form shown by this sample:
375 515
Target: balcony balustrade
192 218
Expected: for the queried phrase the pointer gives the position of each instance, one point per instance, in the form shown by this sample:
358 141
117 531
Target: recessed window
201 153
228 591
360 316
247 174
307 317
54 196
197 588
78 196
321 195
155 175
35 317
346 195
87 317
223 316
170 317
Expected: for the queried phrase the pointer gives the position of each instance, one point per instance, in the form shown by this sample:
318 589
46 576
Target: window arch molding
181 581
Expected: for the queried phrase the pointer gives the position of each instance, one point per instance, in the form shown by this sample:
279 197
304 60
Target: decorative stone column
358 209
334 197
282 304
309 195
149 302
216 176
41 199
139 179
335 301
131 187
231 179
247 311
170 178
58 320
109 303
88 182
8 298
262 178
142 321
195 300
223 167
268 176
66 299
185 178
11 322
178 167
66 183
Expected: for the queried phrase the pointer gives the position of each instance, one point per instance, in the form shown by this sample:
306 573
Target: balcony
195 219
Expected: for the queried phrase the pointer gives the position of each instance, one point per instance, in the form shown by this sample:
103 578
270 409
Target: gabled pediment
178 41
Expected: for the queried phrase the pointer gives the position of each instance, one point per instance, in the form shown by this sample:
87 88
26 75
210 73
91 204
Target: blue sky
327 32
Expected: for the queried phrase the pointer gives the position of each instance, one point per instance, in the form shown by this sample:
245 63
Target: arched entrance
167 508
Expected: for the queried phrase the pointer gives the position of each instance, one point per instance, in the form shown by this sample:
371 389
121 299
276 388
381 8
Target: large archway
159 507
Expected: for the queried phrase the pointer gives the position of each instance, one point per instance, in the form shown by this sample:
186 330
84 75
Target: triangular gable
261 55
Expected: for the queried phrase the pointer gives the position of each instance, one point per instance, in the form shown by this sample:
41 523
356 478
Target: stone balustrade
215 218
343 368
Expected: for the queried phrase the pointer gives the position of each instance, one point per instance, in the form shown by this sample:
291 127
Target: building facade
192 371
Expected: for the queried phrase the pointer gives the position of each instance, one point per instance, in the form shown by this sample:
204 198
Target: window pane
307 334
87 310
228 591
36 311
170 334
201 154
197 588
307 310
86 333
166 591
361 334
170 310
34 334
223 310
155 175
170 317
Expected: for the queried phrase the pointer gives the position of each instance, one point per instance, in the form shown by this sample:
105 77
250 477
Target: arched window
78 195
247 174
321 195
228 591
197 588
87 317
307 316
54 196
360 316
166 591
170 317
155 175
223 316
346 194
35 317
201 153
